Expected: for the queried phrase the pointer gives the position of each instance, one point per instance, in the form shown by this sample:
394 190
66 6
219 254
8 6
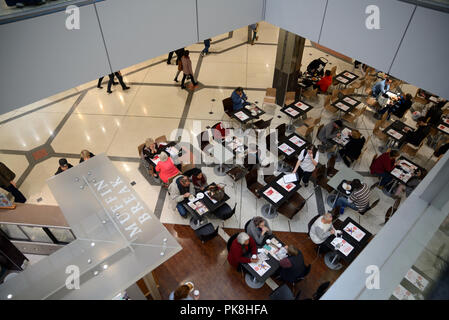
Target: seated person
316 67
351 151
413 182
150 150
306 164
398 108
63 166
358 200
380 87
219 131
180 190
166 167
199 180
241 251
86 154
433 115
382 166
239 99
325 82
321 229
292 267
259 230
181 293
417 136
328 132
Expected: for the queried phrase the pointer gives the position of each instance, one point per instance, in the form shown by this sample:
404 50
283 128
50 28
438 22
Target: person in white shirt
321 229
307 162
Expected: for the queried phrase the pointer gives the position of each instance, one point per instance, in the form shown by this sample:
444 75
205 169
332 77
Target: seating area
250 159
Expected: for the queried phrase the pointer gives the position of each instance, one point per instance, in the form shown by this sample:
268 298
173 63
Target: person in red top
382 166
325 82
166 167
241 248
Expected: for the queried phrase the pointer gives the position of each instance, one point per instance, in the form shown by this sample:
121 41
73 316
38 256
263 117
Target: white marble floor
155 105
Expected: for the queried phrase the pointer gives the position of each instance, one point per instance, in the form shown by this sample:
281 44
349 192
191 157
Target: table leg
252 282
290 128
268 211
220 170
331 260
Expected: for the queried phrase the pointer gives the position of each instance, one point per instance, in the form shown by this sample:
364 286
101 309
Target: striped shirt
360 197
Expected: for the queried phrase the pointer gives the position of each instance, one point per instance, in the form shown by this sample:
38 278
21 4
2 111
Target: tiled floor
155 105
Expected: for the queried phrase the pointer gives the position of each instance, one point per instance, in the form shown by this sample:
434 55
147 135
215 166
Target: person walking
206 47
179 63
187 69
7 183
120 79
255 28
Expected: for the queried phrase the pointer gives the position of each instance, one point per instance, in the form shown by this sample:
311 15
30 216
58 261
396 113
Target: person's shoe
342 210
109 91
183 87
115 83
175 80
126 88
99 87
168 62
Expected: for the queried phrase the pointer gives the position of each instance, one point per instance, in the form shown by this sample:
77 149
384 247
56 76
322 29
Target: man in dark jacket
351 151
63 166
7 183
415 137
293 266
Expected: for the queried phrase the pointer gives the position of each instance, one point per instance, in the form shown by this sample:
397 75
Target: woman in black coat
351 151
292 267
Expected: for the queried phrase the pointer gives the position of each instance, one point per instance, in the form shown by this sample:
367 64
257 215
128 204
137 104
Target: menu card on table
350 101
241 115
401 175
155 159
172 151
260 267
342 106
443 128
342 80
287 186
253 109
403 294
416 279
211 199
273 195
297 141
394 134
286 149
199 207
342 245
291 177
407 166
291 112
355 232
301 106
349 75
446 120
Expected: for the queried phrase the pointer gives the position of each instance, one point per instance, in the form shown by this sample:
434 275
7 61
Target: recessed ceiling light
89 260
95 272
105 266
92 244
9 296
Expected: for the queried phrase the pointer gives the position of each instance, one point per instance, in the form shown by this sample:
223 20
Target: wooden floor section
206 266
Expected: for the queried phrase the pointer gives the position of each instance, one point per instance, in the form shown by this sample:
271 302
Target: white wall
137 30
40 57
220 16
424 52
303 17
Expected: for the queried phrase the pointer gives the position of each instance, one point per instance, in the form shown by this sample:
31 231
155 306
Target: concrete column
152 286
288 62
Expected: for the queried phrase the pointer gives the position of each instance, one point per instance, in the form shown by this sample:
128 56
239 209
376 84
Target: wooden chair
252 184
270 96
304 131
321 179
291 207
262 124
410 149
203 140
359 84
351 117
160 139
311 122
140 149
310 94
289 97
328 106
228 106
236 173
281 132
348 91
187 167
334 71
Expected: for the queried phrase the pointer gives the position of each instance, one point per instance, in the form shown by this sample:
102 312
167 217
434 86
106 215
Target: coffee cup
279 245
196 293
268 241
254 256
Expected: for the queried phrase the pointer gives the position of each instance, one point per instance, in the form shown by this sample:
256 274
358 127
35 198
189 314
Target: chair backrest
348 91
224 212
311 222
187 167
207 232
281 131
228 106
373 205
316 121
140 149
334 71
161 139
327 101
270 92
268 138
230 240
321 290
247 224
282 292
309 130
290 95
203 139
251 177
359 111
388 214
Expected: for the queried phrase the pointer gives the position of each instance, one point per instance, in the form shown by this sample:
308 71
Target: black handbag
216 192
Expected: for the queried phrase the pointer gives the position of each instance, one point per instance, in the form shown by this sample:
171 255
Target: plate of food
346 186
200 195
